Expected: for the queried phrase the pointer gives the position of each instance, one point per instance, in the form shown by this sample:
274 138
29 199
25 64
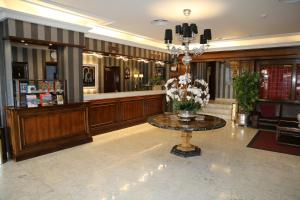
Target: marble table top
170 121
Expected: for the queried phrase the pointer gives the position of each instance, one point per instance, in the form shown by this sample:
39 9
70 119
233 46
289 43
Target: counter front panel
115 113
36 131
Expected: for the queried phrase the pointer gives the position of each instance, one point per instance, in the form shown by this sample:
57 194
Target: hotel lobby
149 100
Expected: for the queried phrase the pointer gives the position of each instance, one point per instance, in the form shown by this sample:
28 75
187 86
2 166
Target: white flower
185 79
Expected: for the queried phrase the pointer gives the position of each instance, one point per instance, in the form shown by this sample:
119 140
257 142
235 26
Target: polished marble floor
135 164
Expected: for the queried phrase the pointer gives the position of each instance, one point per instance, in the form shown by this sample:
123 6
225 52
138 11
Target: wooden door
112 79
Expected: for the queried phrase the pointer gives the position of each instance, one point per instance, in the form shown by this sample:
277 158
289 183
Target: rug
266 140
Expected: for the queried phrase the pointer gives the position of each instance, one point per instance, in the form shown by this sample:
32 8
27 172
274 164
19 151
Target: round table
201 123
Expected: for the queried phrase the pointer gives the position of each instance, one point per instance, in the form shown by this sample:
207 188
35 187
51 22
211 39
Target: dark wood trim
264 53
43 42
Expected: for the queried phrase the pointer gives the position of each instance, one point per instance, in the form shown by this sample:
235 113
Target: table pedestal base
186 149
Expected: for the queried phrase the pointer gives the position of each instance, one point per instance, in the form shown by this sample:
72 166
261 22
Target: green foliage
188 105
246 87
156 80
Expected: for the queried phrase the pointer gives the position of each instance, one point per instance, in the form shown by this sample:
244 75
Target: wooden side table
288 132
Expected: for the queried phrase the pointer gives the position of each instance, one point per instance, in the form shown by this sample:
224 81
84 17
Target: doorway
211 79
112 79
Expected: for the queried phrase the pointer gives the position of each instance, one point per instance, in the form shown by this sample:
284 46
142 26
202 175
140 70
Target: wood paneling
112 114
35 131
279 52
103 114
132 109
153 106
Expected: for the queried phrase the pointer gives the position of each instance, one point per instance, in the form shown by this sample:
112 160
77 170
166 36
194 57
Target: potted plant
156 83
187 98
246 87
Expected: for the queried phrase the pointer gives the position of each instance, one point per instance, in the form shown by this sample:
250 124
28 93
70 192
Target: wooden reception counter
112 111
36 131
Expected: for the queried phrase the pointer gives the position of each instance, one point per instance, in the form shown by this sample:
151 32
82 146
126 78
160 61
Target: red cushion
268 110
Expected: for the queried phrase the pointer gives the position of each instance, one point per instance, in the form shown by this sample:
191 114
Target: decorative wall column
70 69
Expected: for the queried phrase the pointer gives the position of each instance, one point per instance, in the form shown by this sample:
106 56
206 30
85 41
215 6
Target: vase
186 115
243 119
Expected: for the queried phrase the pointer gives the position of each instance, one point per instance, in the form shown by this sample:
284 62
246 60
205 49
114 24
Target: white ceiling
228 19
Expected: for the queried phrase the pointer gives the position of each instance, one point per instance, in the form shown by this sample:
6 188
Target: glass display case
34 93
276 82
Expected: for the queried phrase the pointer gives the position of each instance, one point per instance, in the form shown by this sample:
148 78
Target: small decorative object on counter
187 98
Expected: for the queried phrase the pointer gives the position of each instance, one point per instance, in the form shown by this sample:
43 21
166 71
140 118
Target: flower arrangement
185 95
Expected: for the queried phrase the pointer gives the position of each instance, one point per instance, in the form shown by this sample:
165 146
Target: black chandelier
187 33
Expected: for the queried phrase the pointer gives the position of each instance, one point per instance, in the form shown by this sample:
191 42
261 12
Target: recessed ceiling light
159 22
187 12
22 41
26 44
50 44
289 1
264 15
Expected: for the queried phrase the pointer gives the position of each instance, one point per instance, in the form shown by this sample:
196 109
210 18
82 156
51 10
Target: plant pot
186 115
243 119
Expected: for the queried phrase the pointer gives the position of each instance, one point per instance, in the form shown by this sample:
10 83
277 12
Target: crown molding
267 41
7 13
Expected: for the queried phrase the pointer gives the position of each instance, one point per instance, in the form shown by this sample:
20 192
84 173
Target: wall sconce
142 60
98 55
135 75
122 58
159 63
141 76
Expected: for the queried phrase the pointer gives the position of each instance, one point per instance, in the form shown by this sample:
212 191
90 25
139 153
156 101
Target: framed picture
20 70
90 76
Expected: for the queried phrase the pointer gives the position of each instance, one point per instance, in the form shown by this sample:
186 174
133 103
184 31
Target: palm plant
246 87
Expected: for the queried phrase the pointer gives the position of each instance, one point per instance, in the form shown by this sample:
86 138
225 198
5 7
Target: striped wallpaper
2 77
27 30
224 88
70 69
115 48
147 69
70 57
36 59
199 70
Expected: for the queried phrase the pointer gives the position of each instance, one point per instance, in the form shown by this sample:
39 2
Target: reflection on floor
135 164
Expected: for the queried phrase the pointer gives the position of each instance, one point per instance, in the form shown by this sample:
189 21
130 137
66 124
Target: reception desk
36 131
112 111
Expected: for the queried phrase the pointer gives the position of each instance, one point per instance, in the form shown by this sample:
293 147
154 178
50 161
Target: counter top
90 97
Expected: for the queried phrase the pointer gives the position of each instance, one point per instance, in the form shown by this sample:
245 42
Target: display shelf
35 93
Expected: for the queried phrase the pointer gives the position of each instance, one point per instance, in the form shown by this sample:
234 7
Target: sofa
267 114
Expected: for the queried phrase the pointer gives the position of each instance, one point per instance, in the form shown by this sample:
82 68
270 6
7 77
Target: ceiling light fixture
159 22
187 12
187 33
